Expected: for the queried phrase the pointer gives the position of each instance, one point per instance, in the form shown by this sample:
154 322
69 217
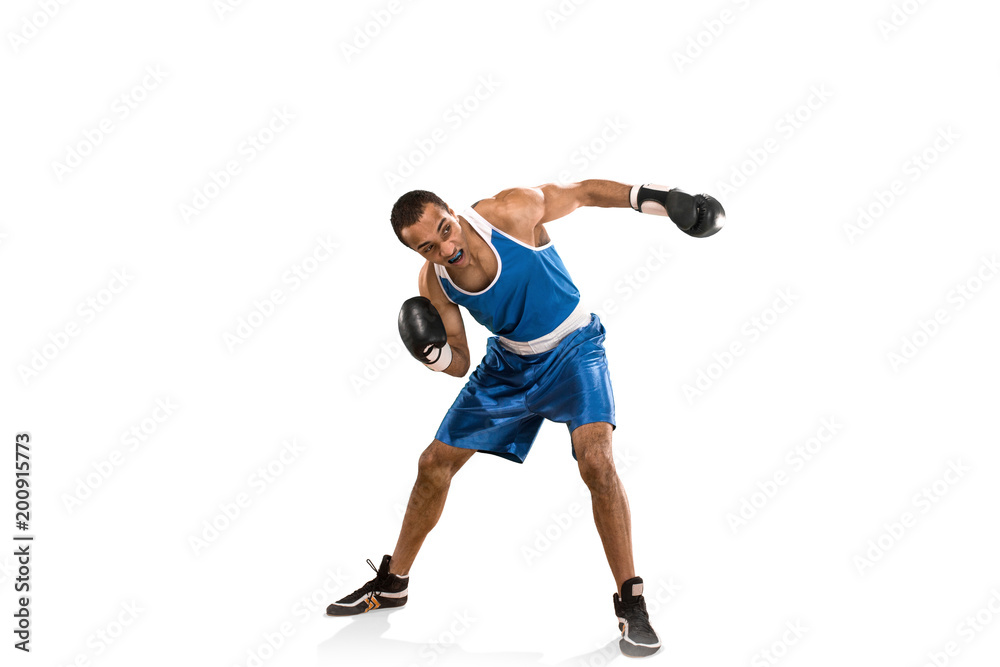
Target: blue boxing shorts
508 396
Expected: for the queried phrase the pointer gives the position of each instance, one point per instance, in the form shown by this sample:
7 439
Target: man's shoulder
425 274
513 210
427 281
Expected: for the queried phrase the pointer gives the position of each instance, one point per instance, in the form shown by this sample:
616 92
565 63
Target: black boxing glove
696 215
423 333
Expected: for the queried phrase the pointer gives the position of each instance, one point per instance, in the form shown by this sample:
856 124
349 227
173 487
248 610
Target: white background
797 115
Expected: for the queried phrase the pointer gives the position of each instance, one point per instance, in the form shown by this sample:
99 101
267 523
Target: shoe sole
631 650
634 650
363 607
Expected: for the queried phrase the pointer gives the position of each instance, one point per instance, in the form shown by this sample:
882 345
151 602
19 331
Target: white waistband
580 317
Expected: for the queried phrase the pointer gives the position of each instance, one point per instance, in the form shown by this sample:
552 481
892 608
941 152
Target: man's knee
597 468
438 463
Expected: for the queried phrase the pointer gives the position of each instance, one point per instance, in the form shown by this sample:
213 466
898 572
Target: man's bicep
526 208
560 200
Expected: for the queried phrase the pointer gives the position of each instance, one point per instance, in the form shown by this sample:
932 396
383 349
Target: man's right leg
437 465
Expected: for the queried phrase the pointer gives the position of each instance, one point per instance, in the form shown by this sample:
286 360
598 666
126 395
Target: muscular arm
526 208
559 200
451 316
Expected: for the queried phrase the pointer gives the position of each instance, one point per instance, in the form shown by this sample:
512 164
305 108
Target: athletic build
546 361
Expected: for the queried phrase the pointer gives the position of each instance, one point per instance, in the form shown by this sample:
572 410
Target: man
545 361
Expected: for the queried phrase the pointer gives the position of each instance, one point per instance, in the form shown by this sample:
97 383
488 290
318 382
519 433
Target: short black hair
408 209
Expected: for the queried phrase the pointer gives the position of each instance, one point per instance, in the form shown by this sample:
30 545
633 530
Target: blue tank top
531 295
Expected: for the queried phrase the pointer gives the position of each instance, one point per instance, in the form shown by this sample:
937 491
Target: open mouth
457 258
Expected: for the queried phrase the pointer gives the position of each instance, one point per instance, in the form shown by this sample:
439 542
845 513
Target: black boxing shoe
383 592
638 637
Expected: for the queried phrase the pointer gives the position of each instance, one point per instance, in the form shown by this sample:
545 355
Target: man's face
438 237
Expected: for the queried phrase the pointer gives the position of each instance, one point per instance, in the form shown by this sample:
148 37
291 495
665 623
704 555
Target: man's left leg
592 443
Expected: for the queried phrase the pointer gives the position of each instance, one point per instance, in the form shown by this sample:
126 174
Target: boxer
545 360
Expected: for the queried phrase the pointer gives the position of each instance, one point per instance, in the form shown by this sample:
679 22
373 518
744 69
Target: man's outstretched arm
560 200
697 215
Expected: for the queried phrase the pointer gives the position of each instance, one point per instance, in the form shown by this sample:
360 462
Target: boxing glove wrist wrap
443 359
649 198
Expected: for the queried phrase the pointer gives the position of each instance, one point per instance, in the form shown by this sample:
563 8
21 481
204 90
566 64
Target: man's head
424 223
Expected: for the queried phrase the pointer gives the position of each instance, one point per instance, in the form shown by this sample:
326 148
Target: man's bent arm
451 317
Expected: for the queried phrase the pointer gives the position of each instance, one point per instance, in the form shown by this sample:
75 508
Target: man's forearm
459 363
606 194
